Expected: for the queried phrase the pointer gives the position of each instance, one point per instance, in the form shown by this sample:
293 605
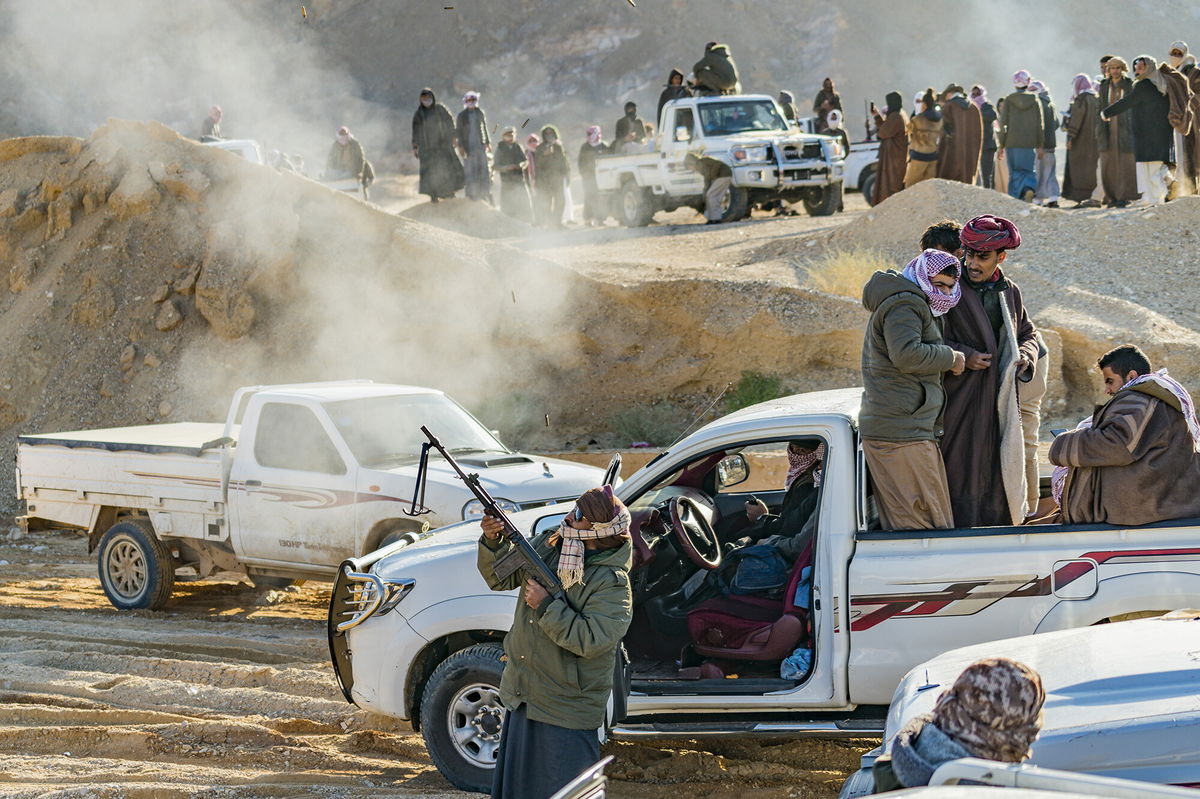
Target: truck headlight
474 508
835 149
750 154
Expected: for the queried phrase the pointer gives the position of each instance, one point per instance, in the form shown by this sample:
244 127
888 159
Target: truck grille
806 152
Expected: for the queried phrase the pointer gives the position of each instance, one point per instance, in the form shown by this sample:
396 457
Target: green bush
658 424
753 388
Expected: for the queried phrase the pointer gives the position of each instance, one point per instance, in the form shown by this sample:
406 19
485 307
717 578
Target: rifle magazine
508 564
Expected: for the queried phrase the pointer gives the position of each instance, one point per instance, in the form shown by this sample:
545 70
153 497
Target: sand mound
1097 278
467 216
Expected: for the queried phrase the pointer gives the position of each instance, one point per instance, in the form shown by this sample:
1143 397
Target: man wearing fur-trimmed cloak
983 444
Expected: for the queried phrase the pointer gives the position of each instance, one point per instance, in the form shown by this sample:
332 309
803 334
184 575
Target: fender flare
1126 593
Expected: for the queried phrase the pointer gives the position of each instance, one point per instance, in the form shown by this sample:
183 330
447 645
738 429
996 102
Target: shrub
753 388
658 424
843 272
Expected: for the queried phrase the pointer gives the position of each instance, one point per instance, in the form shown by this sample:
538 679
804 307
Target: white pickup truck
860 165
768 158
297 479
415 633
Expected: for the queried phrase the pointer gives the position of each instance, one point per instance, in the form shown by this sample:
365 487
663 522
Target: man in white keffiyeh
1138 462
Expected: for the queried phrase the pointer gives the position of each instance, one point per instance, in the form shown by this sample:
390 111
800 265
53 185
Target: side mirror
546 523
732 470
682 133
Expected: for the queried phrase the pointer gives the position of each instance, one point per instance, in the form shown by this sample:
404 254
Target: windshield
387 430
739 116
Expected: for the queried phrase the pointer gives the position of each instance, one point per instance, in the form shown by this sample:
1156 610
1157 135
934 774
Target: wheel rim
474 719
126 567
630 205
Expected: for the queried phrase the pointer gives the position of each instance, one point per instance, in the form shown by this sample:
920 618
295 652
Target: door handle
252 485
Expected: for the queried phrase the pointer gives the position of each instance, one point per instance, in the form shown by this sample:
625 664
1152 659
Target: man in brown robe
1191 165
1079 181
962 139
892 131
983 444
1137 463
1118 167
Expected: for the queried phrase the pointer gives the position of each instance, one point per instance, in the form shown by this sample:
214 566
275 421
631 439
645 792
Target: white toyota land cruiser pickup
297 479
415 633
769 160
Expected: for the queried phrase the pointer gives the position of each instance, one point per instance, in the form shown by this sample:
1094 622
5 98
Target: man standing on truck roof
630 128
715 72
903 361
560 653
1137 462
984 443
718 177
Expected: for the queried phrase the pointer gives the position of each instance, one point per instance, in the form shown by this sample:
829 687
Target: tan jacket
924 135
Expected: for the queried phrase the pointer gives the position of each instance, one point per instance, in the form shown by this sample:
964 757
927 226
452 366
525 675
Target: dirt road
229 693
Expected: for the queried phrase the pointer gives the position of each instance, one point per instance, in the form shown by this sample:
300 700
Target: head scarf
786 97
509 129
986 233
1185 399
924 267
471 95
1152 74
1117 61
216 109
800 463
1182 47
894 102
834 119
593 135
1021 78
1039 88
1058 478
551 129
993 710
981 98
571 554
1082 85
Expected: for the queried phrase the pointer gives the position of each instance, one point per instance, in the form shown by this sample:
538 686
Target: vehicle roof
725 98
344 390
838 402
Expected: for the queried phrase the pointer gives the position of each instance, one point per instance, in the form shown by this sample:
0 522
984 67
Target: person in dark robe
210 126
983 444
1191 164
593 204
433 142
560 650
474 144
552 171
987 155
716 72
509 164
1114 137
787 101
1136 461
630 129
892 132
675 90
1079 180
826 100
962 137
1153 136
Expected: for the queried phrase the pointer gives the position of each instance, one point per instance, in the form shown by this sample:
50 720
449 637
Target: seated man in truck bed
1137 463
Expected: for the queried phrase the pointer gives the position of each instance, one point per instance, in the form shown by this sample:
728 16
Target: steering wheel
695 534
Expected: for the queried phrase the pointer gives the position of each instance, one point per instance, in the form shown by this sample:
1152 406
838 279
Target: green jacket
1022 122
560 662
903 360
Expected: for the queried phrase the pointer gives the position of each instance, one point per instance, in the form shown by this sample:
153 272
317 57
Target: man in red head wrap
983 442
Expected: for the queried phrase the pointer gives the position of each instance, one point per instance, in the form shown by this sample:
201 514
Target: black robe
433 143
1153 136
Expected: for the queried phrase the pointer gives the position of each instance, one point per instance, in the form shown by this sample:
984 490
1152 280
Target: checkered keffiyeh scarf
927 265
1058 479
570 557
1185 399
801 462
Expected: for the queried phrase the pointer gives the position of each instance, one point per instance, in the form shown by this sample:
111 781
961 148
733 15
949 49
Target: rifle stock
522 555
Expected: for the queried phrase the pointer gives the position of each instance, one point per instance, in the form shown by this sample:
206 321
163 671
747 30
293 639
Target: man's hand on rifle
492 527
534 593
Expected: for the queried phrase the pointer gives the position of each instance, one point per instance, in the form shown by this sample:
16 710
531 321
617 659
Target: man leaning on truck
718 177
903 361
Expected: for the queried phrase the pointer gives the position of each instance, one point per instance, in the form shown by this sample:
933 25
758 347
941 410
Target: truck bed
186 438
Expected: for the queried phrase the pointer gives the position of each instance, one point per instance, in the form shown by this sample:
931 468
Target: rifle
522 555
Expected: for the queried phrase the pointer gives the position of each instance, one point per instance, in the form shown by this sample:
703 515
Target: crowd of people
954 373
1129 140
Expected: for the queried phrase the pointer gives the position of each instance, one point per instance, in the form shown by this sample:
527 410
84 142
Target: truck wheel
635 210
827 202
867 184
461 716
136 568
736 205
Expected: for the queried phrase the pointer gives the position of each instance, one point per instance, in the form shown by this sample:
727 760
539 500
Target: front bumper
773 177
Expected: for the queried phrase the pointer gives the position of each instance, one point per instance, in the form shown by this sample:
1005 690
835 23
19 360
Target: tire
462 746
264 583
737 205
635 209
867 185
136 569
860 783
827 202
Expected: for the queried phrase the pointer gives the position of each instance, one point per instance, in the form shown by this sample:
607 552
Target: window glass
740 116
684 119
291 437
